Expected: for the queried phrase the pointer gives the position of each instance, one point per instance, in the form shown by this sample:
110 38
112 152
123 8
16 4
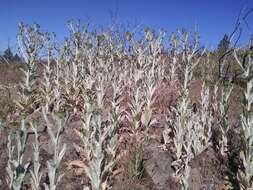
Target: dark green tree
8 54
223 45
16 58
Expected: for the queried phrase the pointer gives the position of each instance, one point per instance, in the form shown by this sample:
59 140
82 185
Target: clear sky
213 18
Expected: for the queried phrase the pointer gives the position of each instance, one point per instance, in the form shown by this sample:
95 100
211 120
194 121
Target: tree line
8 57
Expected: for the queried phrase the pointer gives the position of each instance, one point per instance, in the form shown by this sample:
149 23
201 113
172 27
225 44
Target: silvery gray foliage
184 178
31 42
58 149
16 169
46 83
100 144
192 130
90 60
245 175
36 173
202 123
182 127
102 148
222 108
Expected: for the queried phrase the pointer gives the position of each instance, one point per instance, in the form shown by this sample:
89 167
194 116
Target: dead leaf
76 163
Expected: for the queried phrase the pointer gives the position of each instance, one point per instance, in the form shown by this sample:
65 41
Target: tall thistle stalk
221 107
30 41
202 123
16 168
100 143
59 150
245 175
181 124
191 129
47 83
36 173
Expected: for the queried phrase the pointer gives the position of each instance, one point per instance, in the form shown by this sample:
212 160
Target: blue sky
213 18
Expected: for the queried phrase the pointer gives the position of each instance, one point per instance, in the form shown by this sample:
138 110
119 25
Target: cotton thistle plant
136 109
30 40
58 150
178 141
173 65
79 49
202 123
71 88
16 168
142 100
245 174
149 98
183 142
141 113
222 108
154 47
186 124
98 173
116 100
57 87
172 77
36 173
139 52
181 124
193 131
68 77
100 144
184 178
47 87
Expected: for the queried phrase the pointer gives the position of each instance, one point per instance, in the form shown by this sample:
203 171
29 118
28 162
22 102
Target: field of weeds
110 111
